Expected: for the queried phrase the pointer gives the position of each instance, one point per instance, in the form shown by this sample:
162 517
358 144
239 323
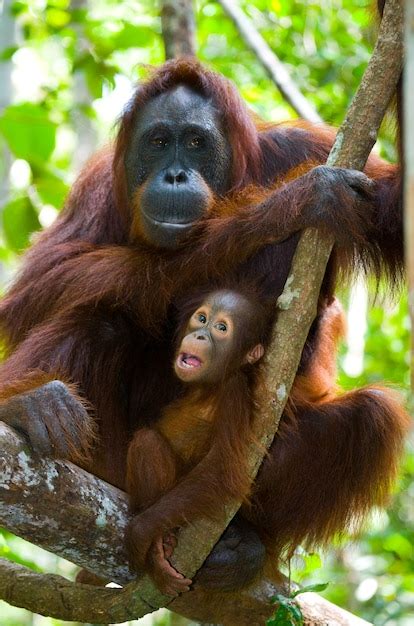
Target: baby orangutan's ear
254 354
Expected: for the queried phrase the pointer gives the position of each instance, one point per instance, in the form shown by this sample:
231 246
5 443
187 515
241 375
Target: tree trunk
178 28
86 135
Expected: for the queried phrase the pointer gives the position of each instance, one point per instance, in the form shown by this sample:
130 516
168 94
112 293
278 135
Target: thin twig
274 67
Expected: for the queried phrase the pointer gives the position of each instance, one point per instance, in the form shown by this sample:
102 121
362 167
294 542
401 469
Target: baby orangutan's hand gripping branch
194 459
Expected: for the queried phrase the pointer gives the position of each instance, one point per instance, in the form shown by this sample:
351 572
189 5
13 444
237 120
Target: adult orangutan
195 190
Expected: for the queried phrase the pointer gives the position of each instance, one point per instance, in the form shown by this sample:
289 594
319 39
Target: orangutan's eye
159 142
222 327
202 318
195 142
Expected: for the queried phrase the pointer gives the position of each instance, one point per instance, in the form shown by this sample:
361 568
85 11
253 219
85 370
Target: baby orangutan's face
212 341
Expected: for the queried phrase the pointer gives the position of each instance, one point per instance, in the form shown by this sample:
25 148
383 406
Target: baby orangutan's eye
222 327
202 318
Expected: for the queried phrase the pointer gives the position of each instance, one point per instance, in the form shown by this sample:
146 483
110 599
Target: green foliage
9 551
386 357
70 67
288 612
29 132
20 220
323 45
51 188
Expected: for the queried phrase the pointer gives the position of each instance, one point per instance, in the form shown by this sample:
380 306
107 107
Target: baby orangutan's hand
165 576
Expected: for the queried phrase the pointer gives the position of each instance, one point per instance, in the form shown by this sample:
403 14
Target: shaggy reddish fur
94 305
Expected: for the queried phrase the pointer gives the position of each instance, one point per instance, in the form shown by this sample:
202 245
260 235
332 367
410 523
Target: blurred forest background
66 70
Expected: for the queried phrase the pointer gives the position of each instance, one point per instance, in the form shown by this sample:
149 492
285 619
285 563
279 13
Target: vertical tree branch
7 40
178 28
84 127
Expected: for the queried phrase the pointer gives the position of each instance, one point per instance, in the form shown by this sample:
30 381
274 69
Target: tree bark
84 126
8 40
178 28
51 503
273 66
81 518
297 310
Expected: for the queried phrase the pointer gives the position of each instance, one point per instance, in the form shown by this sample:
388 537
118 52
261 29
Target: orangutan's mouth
188 361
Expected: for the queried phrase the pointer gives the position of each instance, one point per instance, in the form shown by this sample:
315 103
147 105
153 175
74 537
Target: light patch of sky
366 589
109 107
20 174
47 215
32 69
357 325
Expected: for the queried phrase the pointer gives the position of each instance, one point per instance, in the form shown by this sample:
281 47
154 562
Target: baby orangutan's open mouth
188 361
188 366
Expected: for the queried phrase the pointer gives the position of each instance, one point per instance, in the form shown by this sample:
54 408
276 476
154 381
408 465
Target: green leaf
57 18
318 587
398 543
96 73
11 555
7 53
95 83
288 614
52 191
18 7
20 220
59 4
79 15
279 618
296 613
133 37
279 599
6 256
28 131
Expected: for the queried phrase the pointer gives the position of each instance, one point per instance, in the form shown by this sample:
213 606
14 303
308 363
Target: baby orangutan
193 460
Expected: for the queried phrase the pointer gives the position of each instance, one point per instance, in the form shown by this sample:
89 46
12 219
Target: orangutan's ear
255 354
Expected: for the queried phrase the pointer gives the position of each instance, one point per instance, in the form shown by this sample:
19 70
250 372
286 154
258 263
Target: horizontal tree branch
38 497
81 518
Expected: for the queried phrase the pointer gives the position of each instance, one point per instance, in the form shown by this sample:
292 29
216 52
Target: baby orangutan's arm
152 472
